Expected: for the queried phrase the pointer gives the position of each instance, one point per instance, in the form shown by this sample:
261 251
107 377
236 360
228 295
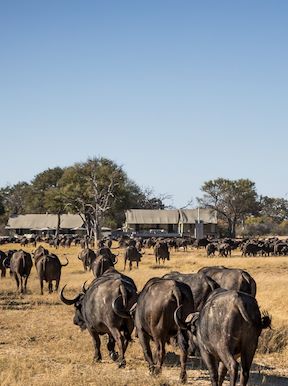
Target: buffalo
87 256
132 254
20 264
48 267
231 279
161 310
105 308
201 286
161 251
228 327
105 259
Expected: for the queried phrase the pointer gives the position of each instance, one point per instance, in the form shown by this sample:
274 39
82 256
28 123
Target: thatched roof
44 221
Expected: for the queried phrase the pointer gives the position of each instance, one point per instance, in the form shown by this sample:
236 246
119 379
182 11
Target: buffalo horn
116 260
178 320
118 308
84 290
67 262
69 302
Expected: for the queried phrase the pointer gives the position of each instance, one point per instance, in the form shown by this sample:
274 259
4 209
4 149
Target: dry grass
39 345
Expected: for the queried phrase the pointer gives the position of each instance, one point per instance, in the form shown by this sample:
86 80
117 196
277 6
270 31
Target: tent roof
150 216
44 221
190 216
157 216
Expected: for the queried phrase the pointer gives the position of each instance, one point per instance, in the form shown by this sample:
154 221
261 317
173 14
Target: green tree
233 200
14 198
42 182
275 208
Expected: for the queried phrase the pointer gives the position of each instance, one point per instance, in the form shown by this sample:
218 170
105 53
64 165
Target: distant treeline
101 191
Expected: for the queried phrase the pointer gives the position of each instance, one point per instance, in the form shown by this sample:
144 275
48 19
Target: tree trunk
58 224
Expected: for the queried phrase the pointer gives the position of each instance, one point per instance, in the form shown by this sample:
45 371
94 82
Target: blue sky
177 92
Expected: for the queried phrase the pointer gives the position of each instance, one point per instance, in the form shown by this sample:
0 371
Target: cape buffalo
20 265
132 254
157 317
102 263
161 251
227 327
231 279
48 267
87 256
104 308
201 286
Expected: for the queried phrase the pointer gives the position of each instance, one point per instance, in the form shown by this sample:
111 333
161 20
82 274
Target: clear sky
177 92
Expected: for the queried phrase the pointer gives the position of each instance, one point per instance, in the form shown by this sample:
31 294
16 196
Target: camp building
194 222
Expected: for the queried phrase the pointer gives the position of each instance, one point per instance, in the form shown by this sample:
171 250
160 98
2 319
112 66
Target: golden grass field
39 345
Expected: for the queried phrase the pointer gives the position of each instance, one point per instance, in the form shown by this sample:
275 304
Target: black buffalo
20 265
201 286
104 308
228 327
132 254
161 310
161 251
87 256
48 267
231 279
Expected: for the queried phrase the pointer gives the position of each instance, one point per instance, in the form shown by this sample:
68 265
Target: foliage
232 199
275 208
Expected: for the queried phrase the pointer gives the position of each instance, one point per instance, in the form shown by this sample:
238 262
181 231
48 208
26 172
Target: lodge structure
44 224
184 222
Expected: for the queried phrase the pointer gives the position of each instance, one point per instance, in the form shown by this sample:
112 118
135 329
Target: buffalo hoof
122 364
157 370
151 370
97 359
114 355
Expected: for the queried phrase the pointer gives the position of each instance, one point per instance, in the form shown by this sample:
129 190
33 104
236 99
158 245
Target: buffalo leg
97 344
21 284
125 260
212 366
3 272
222 371
41 286
111 348
232 367
57 284
246 361
130 265
17 281
50 289
183 345
144 340
160 351
25 283
120 343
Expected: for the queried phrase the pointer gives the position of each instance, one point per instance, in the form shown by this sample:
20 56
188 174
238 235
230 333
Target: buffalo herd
212 313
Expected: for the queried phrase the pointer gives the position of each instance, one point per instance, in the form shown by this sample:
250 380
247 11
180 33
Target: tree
233 200
42 182
91 188
275 208
14 198
54 202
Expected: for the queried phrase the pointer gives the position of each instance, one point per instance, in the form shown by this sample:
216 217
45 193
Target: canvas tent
43 223
181 221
